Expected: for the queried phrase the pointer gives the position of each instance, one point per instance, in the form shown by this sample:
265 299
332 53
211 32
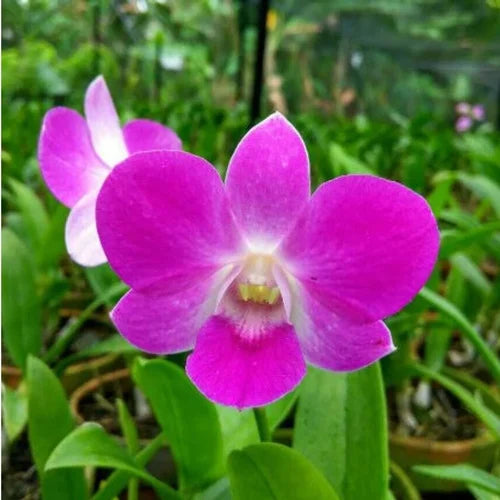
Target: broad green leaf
440 196
238 428
270 471
117 481
49 421
14 410
188 419
449 310
90 445
35 218
463 473
341 426
21 317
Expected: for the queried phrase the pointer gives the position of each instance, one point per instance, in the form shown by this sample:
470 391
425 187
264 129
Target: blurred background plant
374 86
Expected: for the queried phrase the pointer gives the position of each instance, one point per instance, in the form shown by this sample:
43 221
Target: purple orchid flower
258 275
478 112
76 155
463 124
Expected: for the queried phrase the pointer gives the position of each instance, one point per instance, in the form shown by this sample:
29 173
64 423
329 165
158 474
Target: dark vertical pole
96 35
242 25
259 61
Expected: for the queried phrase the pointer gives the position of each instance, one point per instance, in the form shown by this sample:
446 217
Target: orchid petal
146 135
68 162
104 124
364 246
82 240
245 372
163 216
335 343
268 180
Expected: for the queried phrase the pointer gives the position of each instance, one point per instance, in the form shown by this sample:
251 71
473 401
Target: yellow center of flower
256 282
261 294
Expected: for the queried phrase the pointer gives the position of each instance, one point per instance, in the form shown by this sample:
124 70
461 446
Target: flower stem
262 424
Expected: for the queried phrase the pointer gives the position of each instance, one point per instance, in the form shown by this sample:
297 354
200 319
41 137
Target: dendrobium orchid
76 155
257 275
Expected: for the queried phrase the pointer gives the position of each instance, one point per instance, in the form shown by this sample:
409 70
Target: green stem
70 332
411 492
448 309
262 424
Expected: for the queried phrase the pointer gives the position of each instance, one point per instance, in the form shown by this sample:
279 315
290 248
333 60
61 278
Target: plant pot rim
90 386
485 438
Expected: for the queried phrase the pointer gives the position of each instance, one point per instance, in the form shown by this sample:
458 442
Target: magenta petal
146 135
268 180
234 371
334 343
364 246
67 159
159 323
103 123
82 240
163 216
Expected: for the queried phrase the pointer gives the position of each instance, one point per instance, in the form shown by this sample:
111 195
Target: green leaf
129 431
471 272
21 317
454 241
238 428
35 218
69 333
116 482
341 426
344 163
462 473
483 187
448 309
53 246
220 490
15 410
188 419
270 471
101 278
277 412
49 421
90 445
480 493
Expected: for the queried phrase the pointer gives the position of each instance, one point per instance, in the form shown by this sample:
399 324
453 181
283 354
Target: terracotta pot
11 376
410 451
73 376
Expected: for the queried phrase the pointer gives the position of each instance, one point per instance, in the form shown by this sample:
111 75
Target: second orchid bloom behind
76 155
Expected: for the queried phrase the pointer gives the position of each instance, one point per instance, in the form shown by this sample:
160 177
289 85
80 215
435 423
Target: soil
19 477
